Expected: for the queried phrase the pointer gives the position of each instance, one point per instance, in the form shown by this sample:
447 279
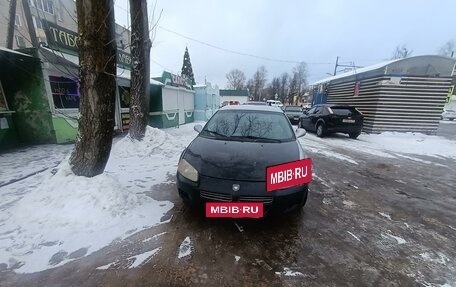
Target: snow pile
412 143
155 142
386 145
67 217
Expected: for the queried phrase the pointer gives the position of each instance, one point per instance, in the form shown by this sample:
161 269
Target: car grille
215 196
264 199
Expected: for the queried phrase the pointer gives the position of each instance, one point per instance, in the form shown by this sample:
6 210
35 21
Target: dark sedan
293 113
227 161
325 119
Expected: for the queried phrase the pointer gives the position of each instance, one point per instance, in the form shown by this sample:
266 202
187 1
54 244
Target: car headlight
187 170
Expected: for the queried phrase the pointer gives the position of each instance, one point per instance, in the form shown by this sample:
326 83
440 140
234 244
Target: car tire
353 135
304 199
320 130
451 119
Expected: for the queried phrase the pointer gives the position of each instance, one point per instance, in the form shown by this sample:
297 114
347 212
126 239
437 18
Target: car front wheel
451 119
320 130
353 135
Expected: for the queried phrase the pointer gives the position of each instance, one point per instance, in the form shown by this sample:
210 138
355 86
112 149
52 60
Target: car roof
264 108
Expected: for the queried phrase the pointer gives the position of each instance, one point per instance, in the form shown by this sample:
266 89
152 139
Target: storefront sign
234 209
289 174
175 80
60 38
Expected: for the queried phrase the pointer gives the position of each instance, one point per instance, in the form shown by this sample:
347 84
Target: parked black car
227 161
325 119
293 113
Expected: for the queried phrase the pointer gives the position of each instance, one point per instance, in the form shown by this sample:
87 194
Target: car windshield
293 109
249 126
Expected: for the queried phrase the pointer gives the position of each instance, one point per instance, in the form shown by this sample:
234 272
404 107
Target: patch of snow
451 227
439 258
348 203
382 145
320 180
236 258
143 258
400 181
398 239
153 237
420 160
331 154
412 143
406 225
326 201
354 236
288 272
386 215
186 247
104 267
355 187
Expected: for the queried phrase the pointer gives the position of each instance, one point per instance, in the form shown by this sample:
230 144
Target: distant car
230 103
255 103
274 103
448 114
227 161
293 113
324 119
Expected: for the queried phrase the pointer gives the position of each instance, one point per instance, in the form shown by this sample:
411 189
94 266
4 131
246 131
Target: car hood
238 160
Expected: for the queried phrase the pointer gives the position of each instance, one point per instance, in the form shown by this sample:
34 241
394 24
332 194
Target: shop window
18 21
124 93
64 92
20 41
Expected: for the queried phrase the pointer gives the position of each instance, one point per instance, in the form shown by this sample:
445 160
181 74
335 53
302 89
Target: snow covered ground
387 145
48 216
74 216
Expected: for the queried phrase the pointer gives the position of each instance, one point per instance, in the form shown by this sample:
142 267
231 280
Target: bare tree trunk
97 77
11 21
140 80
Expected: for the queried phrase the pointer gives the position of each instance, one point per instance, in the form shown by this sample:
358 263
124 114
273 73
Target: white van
274 103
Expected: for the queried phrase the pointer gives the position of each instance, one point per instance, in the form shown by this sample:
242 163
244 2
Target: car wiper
261 138
216 133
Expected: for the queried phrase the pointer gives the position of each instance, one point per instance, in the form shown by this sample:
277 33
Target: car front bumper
210 189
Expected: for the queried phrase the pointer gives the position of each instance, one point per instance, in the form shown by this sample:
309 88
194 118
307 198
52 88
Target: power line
239 53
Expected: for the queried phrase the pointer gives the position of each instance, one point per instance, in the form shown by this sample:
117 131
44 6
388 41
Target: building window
45 5
37 23
20 41
18 20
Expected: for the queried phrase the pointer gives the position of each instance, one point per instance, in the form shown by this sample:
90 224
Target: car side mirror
198 128
300 132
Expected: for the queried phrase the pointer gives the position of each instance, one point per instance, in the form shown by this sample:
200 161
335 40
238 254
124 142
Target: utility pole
335 67
31 28
11 22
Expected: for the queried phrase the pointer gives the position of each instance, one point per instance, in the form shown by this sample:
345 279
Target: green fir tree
187 71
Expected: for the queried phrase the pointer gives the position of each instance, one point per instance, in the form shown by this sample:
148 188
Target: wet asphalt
380 222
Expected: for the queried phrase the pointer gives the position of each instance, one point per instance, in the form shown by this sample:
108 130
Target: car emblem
236 187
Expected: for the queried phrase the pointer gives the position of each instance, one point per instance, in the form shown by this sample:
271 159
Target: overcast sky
363 32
